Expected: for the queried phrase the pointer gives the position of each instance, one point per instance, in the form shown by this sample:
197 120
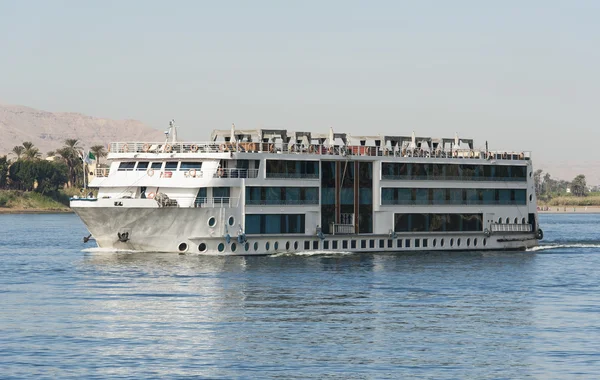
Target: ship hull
188 230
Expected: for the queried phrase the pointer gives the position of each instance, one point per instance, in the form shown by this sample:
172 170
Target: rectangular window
190 165
399 243
334 244
325 244
424 243
307 245
438 222
275 224
315 244
126 166
344 244
156 165
363 244
142 166
353 244
381 243
371 243
171 166
407 243
292 169
417 243
390 243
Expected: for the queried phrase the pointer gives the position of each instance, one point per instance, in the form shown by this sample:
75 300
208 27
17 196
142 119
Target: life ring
146 148
539 234
194 148
486 232
125 148
150 172
168 148
471 154
311 149
151 195
192 172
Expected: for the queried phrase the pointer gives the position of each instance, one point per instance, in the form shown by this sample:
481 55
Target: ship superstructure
269 191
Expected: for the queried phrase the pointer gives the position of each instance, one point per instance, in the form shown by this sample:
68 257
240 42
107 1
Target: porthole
267 246
507 220
441 242
516 220
256 246
458 242
530 197
231 220
246 247
287 246
484 242
475 242
499 220
221 247
212 221
233 247
530 174
434 242
182 247
202 247
276 246
295 246
468 242
451 242
523 221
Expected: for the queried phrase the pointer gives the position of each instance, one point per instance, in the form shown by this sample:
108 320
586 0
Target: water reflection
294 313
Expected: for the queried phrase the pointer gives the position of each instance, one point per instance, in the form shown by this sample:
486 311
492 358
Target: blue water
69 313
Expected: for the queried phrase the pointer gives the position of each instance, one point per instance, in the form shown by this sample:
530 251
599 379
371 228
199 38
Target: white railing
228 173
311 149
102 172
511 227
341 229
216 202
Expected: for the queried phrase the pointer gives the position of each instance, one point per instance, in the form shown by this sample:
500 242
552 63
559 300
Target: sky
522 75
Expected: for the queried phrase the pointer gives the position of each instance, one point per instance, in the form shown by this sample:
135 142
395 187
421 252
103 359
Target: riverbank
569 210
29 202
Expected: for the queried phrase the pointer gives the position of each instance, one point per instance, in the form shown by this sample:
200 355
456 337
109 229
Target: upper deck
308 144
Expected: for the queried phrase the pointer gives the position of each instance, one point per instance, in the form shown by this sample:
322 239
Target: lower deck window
438 222
275 223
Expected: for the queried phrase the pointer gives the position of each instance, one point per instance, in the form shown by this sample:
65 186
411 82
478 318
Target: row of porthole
212 221
508 221
418 243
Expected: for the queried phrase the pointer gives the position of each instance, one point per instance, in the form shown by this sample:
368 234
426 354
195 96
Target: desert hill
49 130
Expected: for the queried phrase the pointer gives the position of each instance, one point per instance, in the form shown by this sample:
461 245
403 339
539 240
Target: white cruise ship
257 192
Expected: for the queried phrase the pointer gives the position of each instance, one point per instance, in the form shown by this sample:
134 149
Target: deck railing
434 177
342 229
216 202
311 149
102 172
511 227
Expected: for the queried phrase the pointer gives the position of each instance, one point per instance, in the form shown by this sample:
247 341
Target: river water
68 312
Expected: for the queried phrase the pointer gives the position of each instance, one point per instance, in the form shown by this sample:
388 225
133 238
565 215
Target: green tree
99 152
70 155
51 153
50 176
537 180
4 163
18 151
578 186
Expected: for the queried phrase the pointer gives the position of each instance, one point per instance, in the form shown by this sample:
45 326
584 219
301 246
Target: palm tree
18 151
51 153
70 153
99 152
32 153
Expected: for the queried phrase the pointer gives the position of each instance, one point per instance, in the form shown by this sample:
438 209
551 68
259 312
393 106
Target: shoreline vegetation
30 202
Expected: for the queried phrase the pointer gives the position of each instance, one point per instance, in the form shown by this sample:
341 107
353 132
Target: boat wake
108 250
312 253
559 246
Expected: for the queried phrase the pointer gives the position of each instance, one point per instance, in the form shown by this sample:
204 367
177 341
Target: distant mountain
49 130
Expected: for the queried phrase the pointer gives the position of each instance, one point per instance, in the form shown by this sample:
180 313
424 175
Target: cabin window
407 243
275 223
156 165
438 222
390 243
425 243
142 166
417 243
325 244
315 244
190 165
126 166
307 245
353 244
171 165
281 195
292 169
334 244
399 243
345 244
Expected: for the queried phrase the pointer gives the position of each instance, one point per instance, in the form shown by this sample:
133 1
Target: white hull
184 230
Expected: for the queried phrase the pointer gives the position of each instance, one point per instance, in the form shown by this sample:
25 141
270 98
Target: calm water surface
69 313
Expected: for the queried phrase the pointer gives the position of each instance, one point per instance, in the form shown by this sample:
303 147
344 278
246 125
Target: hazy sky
523 75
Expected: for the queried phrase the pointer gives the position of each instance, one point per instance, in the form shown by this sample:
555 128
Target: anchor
123 237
